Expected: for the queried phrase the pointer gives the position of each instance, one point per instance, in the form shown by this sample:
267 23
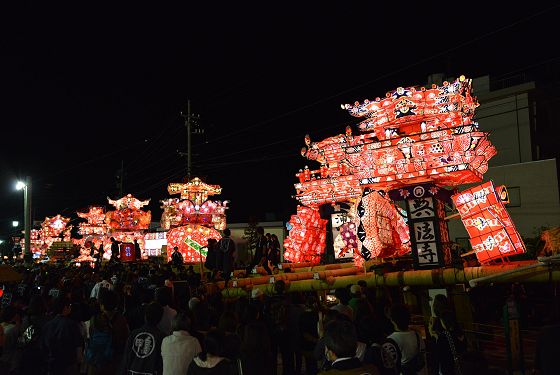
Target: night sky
85 86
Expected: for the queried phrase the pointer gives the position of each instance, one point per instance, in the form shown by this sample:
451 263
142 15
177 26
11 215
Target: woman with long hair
449 338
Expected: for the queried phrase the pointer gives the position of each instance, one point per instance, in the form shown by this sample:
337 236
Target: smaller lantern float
52 239
192 219
126 224
93 231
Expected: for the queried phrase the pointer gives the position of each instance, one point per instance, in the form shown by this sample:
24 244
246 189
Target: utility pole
121 185
191 122
189 153
27 256
120 179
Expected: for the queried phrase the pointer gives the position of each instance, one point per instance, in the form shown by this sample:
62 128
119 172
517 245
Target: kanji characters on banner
491 230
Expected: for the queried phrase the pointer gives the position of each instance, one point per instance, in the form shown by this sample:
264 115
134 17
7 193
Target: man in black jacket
61 340
143 347
226 249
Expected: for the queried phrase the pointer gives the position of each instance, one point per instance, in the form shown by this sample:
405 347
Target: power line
386 75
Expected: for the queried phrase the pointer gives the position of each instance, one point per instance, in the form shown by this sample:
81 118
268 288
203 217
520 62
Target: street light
15 223
26 186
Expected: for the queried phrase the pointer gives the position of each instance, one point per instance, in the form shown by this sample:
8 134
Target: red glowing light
491 230
306 241
191 241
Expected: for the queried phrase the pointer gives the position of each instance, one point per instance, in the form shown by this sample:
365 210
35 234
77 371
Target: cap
256 293
355 289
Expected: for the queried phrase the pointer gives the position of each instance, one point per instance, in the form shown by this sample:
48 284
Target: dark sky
85 86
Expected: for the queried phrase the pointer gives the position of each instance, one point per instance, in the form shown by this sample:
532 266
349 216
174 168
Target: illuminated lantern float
193 218
53 229
93 230
413 143
127 223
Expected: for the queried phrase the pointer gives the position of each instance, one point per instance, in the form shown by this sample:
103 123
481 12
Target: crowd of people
148 318
155 318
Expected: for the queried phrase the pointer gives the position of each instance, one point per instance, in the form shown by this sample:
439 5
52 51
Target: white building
509 115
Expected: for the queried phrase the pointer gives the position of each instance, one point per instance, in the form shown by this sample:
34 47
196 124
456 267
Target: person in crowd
261 249
32 361
135 312
115 251
256 353
211 360
257 298
108 328
163 297
308 334
383 352
410 344
91 247
319 352
296 307
355 298
226 249
61 340
9 326
449 338
340 350
276 310
210 262
274 251
232 342
101 251
137 250
343 297
179 349
103 283
252 313
143 346
193 278
176 257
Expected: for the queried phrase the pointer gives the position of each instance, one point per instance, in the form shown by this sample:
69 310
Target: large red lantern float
411 137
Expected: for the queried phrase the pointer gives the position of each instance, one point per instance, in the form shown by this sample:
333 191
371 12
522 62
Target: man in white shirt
179 349
411 345
104 283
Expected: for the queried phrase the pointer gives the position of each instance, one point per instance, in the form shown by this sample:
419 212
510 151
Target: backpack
417 363
99 348
386 356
